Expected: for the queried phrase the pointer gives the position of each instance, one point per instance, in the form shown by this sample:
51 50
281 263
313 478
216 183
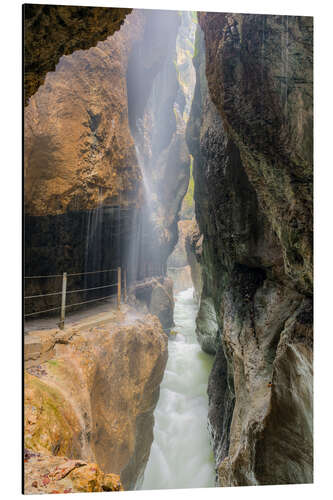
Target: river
181 455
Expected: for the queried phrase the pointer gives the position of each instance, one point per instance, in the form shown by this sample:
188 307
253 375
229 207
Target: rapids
181 455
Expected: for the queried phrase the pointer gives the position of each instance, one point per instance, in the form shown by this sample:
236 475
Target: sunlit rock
56 474
94 400
155 295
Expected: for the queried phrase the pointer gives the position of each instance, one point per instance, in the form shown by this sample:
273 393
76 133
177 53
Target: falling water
181 456
93 243
94 235
146 182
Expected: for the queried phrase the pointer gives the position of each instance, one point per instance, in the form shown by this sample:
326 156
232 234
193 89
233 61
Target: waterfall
94 237
148 192
102 248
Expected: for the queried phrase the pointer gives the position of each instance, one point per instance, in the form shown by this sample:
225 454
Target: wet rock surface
250 133
156 296
93 398
179 269
193 247
181 277
84 186
260 77
207 329
157 103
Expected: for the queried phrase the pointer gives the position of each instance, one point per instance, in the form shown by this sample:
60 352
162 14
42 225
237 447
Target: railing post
125 286
119 288
63 301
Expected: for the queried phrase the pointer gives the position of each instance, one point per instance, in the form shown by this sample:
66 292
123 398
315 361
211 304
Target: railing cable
71 274
71 291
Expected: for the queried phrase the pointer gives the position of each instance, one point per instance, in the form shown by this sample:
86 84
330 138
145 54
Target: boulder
156 296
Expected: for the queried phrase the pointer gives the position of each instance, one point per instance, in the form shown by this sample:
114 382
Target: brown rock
94 400
51 31
156 296
49 474
79 151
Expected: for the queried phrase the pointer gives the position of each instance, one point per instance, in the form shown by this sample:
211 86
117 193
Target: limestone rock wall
155 295
90 394
81 162
51 31
250 133
78 151
260 77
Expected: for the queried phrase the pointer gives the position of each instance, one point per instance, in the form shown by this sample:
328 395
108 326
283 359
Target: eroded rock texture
79 151
155 295
53 474
51 31
178 267
250 133
90 395
80 165
193 247
84 189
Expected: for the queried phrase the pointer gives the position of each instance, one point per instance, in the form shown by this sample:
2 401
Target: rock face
178 258
155 295
193 247
157 105
83 184
53 474
79 152
178 267
250 133
51 31
92 398
84 189
207 329
181 277
266 101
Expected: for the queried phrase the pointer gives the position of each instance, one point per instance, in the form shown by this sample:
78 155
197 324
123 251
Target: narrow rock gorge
250 133
168 171
90 144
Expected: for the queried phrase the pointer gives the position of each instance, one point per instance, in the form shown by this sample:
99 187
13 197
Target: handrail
64 292
72 274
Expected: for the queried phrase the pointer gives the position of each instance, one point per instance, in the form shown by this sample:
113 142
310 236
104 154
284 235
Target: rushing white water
181 456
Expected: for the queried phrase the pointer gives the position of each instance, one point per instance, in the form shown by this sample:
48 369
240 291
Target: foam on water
181 455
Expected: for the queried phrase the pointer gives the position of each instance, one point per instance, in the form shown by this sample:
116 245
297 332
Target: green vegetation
53 362
196 44
194 16
189 197
176 68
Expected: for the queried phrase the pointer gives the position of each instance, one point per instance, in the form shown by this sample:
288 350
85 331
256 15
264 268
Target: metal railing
64 292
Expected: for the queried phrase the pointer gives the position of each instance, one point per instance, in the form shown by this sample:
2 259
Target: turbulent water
181 456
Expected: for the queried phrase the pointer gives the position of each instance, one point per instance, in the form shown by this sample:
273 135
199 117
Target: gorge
176 147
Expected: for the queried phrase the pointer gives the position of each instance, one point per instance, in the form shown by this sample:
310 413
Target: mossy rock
50 422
